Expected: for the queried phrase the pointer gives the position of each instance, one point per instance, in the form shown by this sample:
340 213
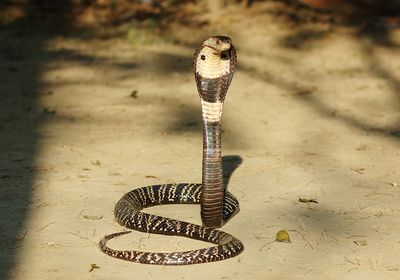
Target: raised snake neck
214 65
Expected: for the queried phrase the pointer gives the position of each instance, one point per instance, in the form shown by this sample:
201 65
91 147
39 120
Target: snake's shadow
230 163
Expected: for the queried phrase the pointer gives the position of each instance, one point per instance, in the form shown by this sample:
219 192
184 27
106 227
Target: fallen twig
45 226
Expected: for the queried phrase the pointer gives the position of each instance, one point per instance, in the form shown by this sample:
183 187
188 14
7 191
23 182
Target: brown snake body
214 64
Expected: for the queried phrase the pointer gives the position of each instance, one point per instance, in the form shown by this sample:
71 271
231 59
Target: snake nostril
203 57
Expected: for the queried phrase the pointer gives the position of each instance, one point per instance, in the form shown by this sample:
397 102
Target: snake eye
225 55
203 57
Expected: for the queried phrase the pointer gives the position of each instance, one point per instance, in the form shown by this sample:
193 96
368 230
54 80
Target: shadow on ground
370 39
230 164
22 40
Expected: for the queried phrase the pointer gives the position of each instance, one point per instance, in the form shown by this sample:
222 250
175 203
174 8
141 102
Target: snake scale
214 63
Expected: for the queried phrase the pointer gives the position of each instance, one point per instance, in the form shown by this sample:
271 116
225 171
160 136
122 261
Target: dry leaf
283 236
97 162
93 266
134 94
92 217
362 147
360 170
360 242
307 200
49 111
21 237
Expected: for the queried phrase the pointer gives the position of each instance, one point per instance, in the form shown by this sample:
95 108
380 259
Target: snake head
219 45
215 58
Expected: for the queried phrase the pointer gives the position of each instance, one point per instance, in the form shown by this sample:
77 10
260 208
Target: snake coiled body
214 65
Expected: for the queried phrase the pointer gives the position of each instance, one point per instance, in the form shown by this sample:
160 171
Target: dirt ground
312 112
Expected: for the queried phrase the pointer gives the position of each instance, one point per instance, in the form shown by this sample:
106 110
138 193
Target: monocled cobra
214 65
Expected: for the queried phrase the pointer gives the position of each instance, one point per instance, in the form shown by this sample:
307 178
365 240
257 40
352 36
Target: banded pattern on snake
214 65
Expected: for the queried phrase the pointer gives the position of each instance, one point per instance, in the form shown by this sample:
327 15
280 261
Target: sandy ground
313 112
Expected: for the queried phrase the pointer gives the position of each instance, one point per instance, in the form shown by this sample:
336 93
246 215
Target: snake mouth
214 49
223 54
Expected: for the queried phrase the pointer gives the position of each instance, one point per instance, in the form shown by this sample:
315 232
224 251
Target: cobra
214 63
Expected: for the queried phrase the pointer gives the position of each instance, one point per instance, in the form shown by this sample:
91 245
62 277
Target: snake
214 63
